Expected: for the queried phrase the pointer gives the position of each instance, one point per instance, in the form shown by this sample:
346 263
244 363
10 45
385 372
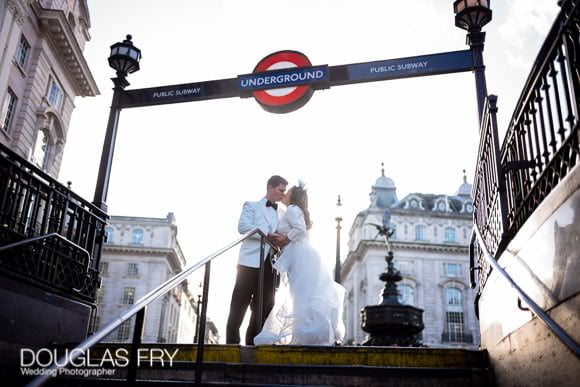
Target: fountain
391 323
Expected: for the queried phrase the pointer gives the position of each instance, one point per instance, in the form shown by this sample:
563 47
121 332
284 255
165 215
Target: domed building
430 245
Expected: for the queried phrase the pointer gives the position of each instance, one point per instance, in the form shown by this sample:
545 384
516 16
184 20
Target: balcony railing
49 236
541 145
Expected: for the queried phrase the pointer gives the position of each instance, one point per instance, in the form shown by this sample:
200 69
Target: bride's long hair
299 197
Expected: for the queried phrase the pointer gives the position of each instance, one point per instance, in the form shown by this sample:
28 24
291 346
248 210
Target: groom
262 214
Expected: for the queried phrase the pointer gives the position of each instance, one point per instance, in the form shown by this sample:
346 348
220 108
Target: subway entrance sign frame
278 76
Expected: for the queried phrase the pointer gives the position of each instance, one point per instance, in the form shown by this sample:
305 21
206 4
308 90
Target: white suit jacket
256 215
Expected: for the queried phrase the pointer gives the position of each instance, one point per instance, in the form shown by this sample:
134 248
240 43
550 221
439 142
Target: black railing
541 145
51 236
139 309
489 191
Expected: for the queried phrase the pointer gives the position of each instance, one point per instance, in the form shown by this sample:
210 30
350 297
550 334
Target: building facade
42 70
139 255
430 246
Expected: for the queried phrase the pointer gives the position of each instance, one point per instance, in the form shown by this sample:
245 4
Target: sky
202 160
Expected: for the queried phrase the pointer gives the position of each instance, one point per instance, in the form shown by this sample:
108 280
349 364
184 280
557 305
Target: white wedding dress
308 307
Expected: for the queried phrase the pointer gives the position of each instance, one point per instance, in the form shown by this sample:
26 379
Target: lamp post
338 228
196 337
198 312
124 59
472 15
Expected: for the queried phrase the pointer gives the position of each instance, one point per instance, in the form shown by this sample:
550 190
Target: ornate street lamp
124 59
338 228
472 15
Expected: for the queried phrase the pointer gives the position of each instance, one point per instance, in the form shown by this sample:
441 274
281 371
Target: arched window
449 234
40 151
406 294
137 236
419 232
453 297
109 232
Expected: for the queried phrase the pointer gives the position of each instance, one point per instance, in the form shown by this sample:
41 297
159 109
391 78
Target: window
104 269
454 314
441 206
405 267
137 237
40 150
419 232
132 269
406 294
55 95
455 326
109 232
414 203
22 52
123 331
452 269
453 297
128 296
449 234
100 296
8 110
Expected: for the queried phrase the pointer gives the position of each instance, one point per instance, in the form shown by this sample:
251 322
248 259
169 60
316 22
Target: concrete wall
544 259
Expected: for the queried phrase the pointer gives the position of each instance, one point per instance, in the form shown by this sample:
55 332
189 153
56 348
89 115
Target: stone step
312 355
261 366
230 374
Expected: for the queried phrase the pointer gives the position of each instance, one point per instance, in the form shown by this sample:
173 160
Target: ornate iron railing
63 233
489 191
541 145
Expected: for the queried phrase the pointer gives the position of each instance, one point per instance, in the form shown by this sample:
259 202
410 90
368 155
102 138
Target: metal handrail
546 319
52 234
146 300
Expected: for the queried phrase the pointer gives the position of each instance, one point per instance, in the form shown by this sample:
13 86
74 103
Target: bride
308 307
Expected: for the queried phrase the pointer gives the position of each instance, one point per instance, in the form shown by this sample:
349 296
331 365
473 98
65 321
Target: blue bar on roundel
448 62
283 78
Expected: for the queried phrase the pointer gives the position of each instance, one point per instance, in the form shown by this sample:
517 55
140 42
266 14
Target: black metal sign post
304 78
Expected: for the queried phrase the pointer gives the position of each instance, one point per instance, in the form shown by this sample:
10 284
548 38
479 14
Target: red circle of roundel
300 60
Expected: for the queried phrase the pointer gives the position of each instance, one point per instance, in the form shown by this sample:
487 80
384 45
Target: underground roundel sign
283 81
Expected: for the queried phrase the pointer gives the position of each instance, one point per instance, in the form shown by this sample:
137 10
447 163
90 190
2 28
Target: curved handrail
138 306
553 325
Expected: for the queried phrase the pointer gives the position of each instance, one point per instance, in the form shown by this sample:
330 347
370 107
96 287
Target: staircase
232 365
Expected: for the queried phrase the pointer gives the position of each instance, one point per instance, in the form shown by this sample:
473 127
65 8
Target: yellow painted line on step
213 353
185 352
394 357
